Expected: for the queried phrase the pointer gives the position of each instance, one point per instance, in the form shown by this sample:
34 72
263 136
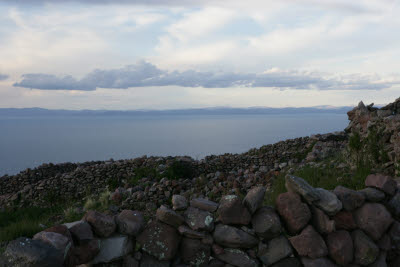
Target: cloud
144 74
3 77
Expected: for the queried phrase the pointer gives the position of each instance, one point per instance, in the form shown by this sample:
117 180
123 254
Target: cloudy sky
163 54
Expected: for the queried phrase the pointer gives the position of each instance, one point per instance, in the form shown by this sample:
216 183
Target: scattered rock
394 205
288 262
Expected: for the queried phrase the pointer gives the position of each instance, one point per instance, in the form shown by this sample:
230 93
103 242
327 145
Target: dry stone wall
308 227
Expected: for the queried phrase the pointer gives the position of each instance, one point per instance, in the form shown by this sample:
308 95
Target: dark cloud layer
145 74
3 77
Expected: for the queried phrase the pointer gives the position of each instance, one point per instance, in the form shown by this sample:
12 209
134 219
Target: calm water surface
27 142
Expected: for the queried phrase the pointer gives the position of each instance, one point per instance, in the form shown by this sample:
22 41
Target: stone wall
309 227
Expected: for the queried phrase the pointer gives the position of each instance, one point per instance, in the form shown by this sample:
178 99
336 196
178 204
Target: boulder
394 205
130 261
61 229
159 240
340 247
103 225
84 253
149 261
276 250
321 221
309 244
328 202
169 216
81 232
372 194
295 213
380 261
373 219
204 204
382 182
58 241
300 186
288 262
130 222
186 231
194 252
179 202
236 257
232 211
113 248
266 223
232 237
320 262
199 219
254 198
365 250
344 220
394 234
350 199
33 253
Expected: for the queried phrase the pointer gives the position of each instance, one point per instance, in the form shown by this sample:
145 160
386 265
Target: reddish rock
60 229
340 247
309 244
232 211
204 204
103 225
232 237
374 219
382 182
294 212
169 216
186 231
81 232
345 220
237 257
365 250
84 253
320 262
350 199
321 221
194 252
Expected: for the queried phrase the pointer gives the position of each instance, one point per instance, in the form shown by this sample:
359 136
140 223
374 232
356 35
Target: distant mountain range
194 111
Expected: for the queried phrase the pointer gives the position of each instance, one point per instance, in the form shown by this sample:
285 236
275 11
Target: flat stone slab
113 248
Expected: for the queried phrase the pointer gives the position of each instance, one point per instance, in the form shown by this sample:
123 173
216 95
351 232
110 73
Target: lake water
27 142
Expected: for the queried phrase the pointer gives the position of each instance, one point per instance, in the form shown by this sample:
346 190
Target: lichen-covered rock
382 182
232 211
276 250
232 237
194 252
266 223
236 257
350 199
294 212
365 250
113 248
159 240
340 247
58 241
179 202
374 219
103 225
309 244
204 204
321 221
199 219
254 198
169 216
130 222
81 232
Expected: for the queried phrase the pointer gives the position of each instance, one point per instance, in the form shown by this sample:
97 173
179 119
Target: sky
166 54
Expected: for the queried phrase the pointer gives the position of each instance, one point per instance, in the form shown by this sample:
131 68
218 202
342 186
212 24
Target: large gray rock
159 240
340 247
276 250
350 199
169 216
266 223
365 250
309 244
103 225
236 257
232 211
194 252
372 194
254 198
113 248
25 252
204 204
328 202
300 186
81 232
294 212
199 219
179 202
58 241
232 237
130 222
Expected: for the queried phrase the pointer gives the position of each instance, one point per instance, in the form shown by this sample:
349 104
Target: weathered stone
130 222
340 247
328 202
309 244
394 205
130 261
232 237
237 258
350 199
61 229
380 261
288 262
56 240
321 221
33 253
266 223
374 219
179 202
344 220
194 252
186 231
84 253
113 248
365 250
372 194
204 204
149 261
295 213
81 232
382 182
298 185
199 219
103 225
320 262
232 211
169 216
277 249
216 263
254 198
394 234
159 240
385 242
